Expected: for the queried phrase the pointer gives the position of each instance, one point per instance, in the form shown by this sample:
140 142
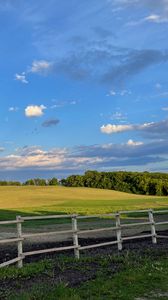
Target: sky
83 86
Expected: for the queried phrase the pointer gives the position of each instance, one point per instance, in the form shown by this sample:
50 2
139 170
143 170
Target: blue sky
83 86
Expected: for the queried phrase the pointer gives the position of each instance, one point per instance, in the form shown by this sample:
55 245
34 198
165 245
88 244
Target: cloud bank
156 130
101 157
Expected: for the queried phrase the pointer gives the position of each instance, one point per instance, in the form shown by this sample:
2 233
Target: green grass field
113 277
14 200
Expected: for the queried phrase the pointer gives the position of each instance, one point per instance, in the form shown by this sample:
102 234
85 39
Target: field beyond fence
30 200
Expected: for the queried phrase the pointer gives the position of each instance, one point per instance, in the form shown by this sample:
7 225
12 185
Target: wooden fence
76 232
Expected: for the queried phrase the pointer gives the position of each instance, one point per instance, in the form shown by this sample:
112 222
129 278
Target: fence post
20 243
153 229
118 223
75 236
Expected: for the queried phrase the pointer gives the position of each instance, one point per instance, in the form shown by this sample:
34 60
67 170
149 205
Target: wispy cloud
157 18
118 116
122 93
109 65
134 143
40 67
150 18
158 10
21 77
154 5
59 104
99 61
134 62
13 109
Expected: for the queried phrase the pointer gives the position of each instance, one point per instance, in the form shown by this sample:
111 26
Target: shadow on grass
6 215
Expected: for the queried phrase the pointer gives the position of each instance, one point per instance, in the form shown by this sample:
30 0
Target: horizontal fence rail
75 232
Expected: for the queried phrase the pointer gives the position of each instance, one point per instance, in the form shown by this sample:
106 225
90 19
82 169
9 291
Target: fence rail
76 232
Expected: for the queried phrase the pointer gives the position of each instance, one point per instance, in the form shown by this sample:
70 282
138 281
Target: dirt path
10 232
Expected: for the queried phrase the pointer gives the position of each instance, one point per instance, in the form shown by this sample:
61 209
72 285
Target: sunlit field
69 200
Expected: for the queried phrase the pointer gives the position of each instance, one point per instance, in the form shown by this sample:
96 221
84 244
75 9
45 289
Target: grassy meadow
43 200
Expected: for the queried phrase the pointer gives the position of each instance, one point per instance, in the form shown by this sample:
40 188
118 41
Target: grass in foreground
127 277
45 200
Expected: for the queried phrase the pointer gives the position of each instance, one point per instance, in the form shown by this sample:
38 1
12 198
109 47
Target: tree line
34 181
144 183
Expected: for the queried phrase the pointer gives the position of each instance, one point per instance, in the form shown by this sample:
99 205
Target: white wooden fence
76 232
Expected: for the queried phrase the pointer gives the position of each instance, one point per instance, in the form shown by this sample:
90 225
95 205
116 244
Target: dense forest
131 182
143 183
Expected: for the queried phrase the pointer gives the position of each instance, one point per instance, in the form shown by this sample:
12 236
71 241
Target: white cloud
133 143
156 18
151 18
111 128
40 66
165 108
34 110
21 77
